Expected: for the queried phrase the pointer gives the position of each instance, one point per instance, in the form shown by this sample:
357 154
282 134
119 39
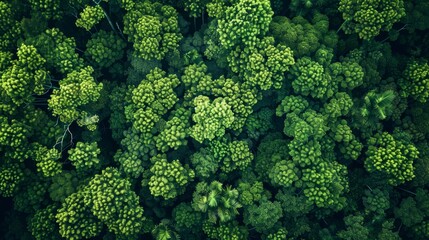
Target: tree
367 17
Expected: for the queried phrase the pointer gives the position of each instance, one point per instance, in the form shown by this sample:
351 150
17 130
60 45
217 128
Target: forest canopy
214 119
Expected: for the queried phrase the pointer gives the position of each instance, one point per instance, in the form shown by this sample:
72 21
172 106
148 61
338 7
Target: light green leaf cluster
284 173
50 9
212 118
292 104
110 198
153 28
415 81
239 96
342 132
197 81
10 178
339 105
13 140
174 133
78 89
85 156
90 16
243 22
309 78
306 126
349 74
368 17
75 219
47 160
195 7
151 99
169 179
58 50
135 153
352 149
10 29
238 156
250 193
325 183
279 235
26 76
391 157
263 65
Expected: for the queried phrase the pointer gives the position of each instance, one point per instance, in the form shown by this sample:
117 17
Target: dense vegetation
214 119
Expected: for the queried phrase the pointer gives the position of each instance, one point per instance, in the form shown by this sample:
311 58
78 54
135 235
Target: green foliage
368 17
222 119
218 203
10 177
169 179
195 7
292 104
264 65
259 123
186 218
243 22
212 118
263 216
85 156
153 28
238 156
75 219
26 76
279 235
42 224
391 157
58 50
339 105
309 78
174 133
151 99
47 160
164 231
376 201
50 9
110 198
225 231
204 163
415 81
302 36
250 193
63 185
354 228
76 90
90 16
105 48
284 173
